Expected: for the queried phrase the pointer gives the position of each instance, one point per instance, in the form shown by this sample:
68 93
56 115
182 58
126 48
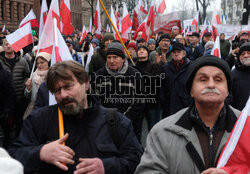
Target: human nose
63 93
211 83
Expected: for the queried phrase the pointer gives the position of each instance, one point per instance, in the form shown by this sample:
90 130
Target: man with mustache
89 146
191 140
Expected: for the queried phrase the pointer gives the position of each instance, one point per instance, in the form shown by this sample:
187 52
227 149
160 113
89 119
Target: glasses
68 87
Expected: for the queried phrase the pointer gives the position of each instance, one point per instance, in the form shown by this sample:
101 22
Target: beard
73 110
245 62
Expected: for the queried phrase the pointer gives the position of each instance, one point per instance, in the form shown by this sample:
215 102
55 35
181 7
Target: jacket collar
123 69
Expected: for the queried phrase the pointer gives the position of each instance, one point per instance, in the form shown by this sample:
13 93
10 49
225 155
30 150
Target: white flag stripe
67 3
31 15
91 52
235 135
19 33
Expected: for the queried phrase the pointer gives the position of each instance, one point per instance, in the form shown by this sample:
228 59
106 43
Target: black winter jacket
89 137
173 91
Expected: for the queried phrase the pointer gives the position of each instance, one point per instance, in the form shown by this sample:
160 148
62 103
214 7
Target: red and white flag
161 7
196 21
60 52
235 157
84 34
215 19
97 20
66 18
31 17
149 24
126 24
117 16
90 54
142 29
43 16
216 49
4 29
112 16
20 38
46 40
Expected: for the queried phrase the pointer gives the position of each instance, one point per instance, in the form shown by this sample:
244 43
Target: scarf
39 77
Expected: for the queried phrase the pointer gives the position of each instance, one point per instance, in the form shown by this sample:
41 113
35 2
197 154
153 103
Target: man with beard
191 140
89 144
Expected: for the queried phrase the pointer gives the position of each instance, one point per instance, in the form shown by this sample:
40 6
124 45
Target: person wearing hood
19 69
241 78
208 48
116 85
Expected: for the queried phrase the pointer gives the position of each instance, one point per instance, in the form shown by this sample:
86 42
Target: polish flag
216 49
46 40
21 37
126 24
84 34
236 154
149 24
90 54
90 25
97 20
66 18
135 22
195 21
31 17
215 19
112 16
142 29
4 30
161 7
117 17
60 52
43 16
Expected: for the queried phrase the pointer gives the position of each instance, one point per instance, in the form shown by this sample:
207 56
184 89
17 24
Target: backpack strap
111 119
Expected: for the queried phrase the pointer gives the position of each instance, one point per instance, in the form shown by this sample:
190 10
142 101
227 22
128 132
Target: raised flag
215 19
66 18
20 38
149 23
236 154
135 22
216 48
161 7
30 17
90 25
97 20
4 30
112 16
126 24
196 21
142 29
43 16
117 17
46 40
145 7
90 54
84 34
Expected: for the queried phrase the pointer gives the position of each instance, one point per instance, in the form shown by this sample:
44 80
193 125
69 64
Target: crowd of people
171 79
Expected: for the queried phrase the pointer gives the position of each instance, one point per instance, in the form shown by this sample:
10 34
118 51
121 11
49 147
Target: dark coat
199 50
241 86
98 60
173 91
20 73
121 91
89 137
42 96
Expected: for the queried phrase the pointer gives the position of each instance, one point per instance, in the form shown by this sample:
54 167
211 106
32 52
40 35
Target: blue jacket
173 91
89 137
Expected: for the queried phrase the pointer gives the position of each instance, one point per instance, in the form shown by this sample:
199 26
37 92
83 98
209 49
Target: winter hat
175 28
44 55
8 164
131 44
177 46
96 41
116 48
146 48
107 36
165 36
244 47
208 60
151 41
208 43
195 34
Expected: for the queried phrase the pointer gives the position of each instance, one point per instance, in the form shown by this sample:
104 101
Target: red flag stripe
24 41
33 22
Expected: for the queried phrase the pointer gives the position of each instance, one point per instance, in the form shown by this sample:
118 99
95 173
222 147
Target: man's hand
214 171
90 165
57 154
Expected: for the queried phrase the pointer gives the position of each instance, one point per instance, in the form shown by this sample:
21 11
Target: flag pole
116 32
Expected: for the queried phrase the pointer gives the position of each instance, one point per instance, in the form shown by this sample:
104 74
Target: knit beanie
144 47
131 44
44 55
107 36
151 41
116 48
208 60
96 41
244 47
165 36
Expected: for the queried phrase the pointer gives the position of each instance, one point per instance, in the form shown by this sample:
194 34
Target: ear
87 85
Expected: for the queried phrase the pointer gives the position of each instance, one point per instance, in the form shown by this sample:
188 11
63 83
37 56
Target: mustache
208 90
67 100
